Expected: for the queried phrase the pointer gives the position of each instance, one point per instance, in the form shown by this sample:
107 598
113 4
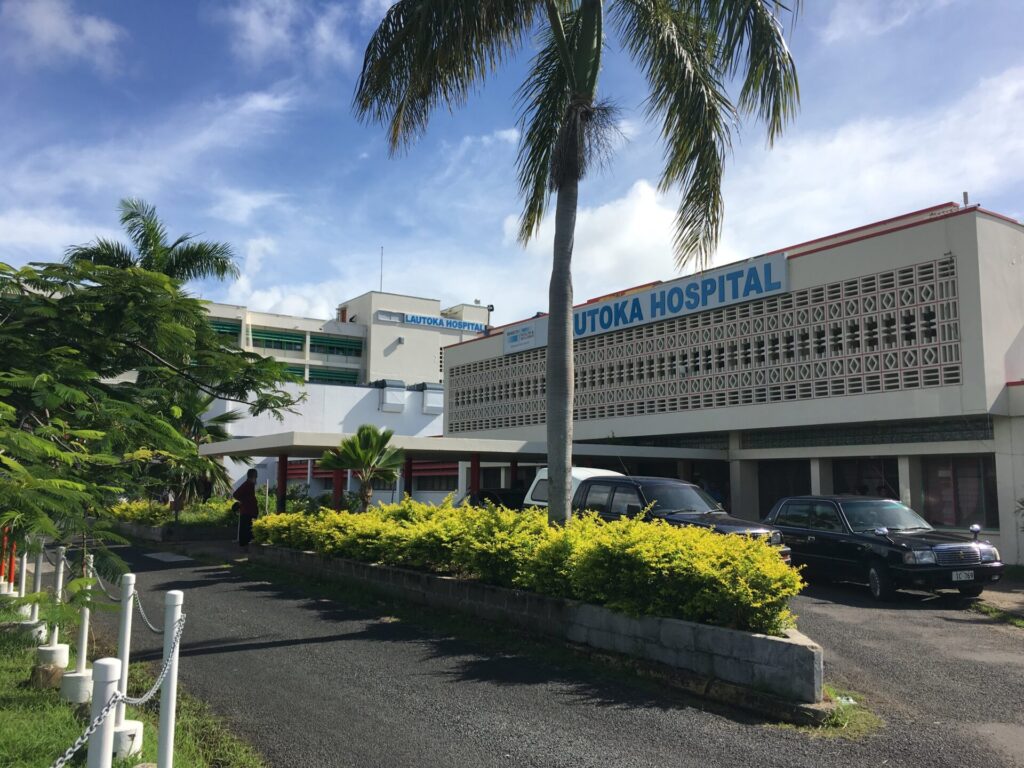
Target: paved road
314 682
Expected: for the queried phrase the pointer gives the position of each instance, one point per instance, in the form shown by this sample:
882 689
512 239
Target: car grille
958 554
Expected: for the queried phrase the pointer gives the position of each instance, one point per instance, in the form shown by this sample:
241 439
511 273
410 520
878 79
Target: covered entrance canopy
311 445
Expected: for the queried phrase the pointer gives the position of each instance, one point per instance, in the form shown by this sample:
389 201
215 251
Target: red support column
407 477
474 473
337 478
513 470
12 562
282 482
3 557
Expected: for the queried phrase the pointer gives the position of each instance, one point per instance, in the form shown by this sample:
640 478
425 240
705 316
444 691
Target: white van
537 496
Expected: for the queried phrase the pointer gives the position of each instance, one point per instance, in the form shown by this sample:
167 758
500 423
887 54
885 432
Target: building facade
378 361
884 360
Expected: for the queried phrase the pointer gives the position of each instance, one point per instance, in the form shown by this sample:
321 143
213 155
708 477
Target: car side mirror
975 529
633 510
883 531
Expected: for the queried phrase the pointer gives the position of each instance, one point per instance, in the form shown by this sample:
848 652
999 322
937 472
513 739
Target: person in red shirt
245 494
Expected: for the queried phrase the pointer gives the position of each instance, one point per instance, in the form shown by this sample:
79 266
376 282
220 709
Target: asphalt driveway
320 682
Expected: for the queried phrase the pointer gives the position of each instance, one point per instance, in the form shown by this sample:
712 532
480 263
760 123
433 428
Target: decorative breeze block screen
889 331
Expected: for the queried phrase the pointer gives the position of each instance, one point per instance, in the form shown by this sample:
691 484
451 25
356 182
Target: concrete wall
789 667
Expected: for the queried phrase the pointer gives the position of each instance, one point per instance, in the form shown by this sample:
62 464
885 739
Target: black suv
674 501
883 543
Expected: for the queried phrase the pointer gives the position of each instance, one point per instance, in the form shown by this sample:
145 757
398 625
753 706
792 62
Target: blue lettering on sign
444 322
736 283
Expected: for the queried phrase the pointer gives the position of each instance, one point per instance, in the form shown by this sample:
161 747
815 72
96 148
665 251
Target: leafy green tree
369 455
434 53
94 361
183 259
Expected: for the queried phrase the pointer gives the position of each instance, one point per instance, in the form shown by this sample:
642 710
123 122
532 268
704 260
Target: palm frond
679 56
752 39
107 253
146 232
198 259
542 101
430 53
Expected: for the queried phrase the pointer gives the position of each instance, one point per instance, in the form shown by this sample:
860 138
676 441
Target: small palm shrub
629 565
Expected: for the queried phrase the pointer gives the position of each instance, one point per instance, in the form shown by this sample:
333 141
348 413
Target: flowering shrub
214 512
629 565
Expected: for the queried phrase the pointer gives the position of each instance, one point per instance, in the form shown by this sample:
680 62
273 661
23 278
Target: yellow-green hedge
629 565
211 512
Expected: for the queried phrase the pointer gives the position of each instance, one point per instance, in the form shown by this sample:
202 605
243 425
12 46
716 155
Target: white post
124 639
169 690
37 580
83 624
58 591
22 565
105 674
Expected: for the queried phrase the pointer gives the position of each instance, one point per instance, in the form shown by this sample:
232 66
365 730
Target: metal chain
179 627
99 580
117 697
47 556
142 612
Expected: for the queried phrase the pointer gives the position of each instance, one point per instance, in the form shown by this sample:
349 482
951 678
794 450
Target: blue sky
234 119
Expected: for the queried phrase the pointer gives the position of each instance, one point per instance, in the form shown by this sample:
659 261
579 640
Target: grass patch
36 726
847 721
998 614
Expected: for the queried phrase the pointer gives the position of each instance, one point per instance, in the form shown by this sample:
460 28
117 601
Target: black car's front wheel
880 582
974 591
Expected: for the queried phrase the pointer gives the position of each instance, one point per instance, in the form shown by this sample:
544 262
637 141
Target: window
960 491
597 498
338 376
382 485
336 345
625 495
436 483
266 339
825 517
540 492
794 514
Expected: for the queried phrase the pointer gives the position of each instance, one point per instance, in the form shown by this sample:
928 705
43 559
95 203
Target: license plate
963 575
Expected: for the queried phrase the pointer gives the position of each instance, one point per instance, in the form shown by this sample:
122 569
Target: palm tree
368 454
431 53
183 259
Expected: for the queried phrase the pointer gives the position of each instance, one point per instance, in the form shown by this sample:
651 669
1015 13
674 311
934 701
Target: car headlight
989 554
919 557
776 538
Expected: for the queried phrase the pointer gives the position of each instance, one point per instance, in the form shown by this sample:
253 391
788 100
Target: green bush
632 566
214 512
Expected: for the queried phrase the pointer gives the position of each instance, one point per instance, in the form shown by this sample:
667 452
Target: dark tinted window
625 495
825 517
679 497
870 514
794 514
597 498
540 492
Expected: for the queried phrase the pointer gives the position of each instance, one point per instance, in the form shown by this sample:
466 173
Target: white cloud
372 11
852 19
238 205
329 42
298 31
263 30
143 161
45 232
50 33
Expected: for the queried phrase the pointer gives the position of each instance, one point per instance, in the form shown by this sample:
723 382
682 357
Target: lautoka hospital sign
733 284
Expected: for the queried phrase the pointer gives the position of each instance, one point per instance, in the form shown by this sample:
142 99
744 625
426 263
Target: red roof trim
868 226
957 211
1015 383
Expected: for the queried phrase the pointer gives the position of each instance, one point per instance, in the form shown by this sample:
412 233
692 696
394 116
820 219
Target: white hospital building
888 359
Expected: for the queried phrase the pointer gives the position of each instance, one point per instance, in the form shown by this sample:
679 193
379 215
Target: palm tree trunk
560 364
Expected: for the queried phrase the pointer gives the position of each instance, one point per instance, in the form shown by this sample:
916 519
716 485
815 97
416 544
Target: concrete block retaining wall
789 667
170 532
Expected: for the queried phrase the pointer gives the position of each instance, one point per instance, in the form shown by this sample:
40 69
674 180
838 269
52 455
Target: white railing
108 734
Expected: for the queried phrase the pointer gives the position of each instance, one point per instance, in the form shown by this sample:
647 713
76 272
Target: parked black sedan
674 501
883 543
